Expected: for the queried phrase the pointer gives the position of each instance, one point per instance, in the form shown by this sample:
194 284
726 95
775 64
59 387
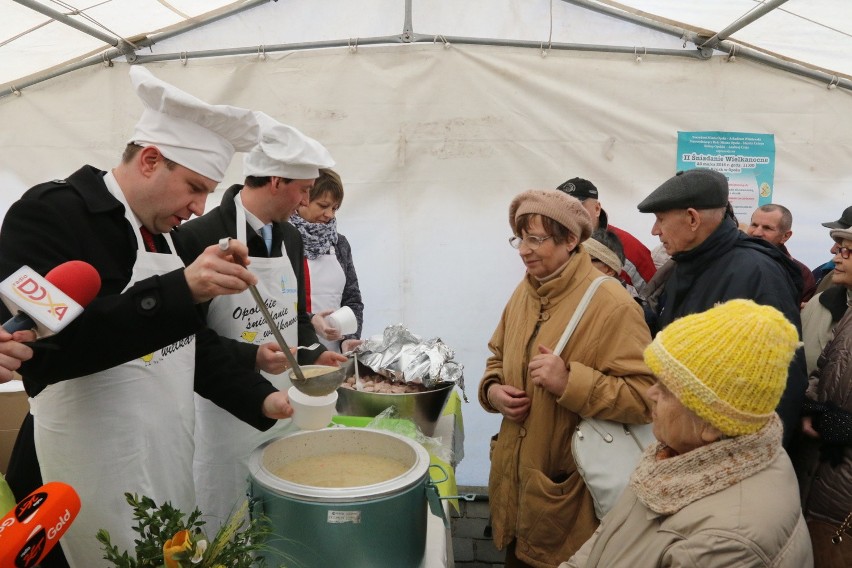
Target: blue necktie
266 233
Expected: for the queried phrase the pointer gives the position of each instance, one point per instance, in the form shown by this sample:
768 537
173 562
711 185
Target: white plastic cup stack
311 412
344 320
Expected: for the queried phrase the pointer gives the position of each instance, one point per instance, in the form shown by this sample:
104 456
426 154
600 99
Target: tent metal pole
196 23
796 68
105 57
408 25
686 35
109 39
743 22
820 76
417 38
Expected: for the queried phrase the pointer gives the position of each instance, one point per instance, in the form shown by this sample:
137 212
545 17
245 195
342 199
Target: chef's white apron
223 443
125 429
327 282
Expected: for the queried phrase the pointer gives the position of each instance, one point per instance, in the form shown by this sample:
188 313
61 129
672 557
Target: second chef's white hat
189 131
285 152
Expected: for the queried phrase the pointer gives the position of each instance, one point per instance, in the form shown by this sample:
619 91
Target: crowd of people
753 460
737 353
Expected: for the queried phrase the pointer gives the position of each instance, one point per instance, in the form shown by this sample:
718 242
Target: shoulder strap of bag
578 313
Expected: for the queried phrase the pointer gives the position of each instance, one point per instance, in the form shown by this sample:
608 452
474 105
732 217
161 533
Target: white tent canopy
41 38
439 112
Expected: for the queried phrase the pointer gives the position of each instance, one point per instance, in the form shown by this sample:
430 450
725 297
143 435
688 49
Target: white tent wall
433 143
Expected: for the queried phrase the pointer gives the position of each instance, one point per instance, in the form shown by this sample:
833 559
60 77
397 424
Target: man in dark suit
140 348
280 172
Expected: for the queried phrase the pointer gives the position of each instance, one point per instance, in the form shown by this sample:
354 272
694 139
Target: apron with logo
125 429
327 282
223 442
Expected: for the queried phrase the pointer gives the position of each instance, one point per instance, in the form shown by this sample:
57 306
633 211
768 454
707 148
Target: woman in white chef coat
330 272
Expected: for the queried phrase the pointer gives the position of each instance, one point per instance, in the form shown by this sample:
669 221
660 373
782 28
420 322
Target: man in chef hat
112 405
280 172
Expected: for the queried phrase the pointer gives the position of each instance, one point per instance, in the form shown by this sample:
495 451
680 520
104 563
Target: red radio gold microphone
31 530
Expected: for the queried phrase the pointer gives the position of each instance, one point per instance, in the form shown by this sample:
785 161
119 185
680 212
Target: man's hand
511 402
271 359
330 358
548 371
218 272
323 328
277 406
13 352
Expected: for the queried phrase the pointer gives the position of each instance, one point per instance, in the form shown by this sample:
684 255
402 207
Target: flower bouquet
168 540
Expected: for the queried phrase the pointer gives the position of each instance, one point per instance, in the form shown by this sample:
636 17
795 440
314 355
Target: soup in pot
340 470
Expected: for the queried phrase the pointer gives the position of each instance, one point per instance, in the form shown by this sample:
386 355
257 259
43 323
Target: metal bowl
423 408
321 380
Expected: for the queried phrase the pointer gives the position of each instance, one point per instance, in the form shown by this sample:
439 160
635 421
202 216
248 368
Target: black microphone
47 304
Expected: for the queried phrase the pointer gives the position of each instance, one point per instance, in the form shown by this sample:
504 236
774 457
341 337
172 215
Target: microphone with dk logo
31 530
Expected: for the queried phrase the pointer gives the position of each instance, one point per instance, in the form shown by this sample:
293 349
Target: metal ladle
319 385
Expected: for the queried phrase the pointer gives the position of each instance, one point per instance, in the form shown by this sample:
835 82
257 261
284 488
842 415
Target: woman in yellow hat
717 489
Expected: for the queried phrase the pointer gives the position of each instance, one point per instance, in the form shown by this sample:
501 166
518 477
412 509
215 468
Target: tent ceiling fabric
817 33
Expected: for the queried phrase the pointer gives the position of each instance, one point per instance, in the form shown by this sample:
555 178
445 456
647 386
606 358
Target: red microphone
50 303
31 530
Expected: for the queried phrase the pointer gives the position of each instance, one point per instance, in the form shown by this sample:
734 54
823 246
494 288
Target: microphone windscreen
78 279
36 524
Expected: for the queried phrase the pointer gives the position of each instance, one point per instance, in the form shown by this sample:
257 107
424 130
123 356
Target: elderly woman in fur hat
541 510
717 489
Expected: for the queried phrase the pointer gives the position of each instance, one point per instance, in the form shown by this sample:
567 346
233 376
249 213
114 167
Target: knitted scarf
667 485
318 237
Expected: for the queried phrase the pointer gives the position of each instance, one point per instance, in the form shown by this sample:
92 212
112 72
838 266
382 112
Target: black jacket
729 265
192 237
78 219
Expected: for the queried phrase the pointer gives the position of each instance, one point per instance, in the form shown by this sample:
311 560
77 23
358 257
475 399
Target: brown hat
556 205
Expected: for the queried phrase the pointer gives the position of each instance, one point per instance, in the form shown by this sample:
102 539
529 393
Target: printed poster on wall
746 159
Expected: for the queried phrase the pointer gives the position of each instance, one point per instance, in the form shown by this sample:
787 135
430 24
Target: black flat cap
844 222
699 189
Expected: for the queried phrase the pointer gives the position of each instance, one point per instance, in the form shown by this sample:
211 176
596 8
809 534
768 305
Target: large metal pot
383 524
423 408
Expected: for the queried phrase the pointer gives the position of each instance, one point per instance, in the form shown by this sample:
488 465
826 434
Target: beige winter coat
756 522
535 492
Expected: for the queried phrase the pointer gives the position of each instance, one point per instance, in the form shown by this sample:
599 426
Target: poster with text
746 159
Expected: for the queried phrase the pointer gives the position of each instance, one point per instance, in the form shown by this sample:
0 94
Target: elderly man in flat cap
713 262
141 347
279 173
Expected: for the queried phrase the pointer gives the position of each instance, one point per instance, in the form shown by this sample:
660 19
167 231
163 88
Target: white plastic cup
311 412
344 320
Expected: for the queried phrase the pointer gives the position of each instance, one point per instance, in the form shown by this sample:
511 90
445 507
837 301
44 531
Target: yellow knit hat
728 364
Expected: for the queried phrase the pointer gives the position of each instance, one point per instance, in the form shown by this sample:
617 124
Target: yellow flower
177 546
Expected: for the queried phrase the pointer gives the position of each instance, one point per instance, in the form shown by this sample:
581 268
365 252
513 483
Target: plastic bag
390 421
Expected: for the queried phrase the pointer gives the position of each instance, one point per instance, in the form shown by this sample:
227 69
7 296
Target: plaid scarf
318 237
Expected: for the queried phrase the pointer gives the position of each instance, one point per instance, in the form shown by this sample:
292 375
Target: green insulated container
370 526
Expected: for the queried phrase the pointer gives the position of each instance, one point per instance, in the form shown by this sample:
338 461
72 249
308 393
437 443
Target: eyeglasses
844 252
532 242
